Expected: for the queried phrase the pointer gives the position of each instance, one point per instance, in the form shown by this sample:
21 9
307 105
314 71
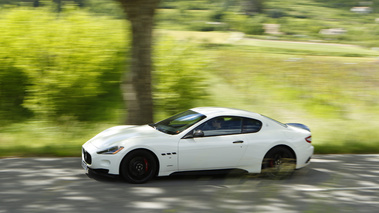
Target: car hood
114 135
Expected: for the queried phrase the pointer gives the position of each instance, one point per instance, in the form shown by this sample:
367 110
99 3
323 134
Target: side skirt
211 172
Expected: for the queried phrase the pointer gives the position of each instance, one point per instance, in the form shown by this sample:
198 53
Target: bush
192 5
66 65
276 13
13 83
253 27
208 26
105 7
217 16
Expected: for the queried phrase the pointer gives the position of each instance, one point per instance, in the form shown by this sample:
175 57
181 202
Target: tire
138 167
278 163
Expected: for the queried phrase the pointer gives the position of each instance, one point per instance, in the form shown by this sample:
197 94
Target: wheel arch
283 146
147 150
278 162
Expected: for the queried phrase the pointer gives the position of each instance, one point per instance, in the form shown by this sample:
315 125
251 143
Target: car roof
218 111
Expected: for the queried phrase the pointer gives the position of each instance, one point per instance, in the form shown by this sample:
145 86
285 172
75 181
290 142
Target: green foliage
180 73
207 26
68 65
303 20
252 25
192 5
217 15
276 13
340 3
61 72
13 83
299 19
105 7
186 5
57 4
296 26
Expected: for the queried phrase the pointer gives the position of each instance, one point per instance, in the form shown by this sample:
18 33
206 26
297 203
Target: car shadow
181 177
302 176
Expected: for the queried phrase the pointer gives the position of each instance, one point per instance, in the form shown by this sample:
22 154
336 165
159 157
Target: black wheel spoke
138 167
278 163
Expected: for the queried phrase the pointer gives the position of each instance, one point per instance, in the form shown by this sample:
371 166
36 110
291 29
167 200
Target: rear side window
251 125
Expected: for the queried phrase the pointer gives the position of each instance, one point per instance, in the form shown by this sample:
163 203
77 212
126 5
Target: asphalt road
332 183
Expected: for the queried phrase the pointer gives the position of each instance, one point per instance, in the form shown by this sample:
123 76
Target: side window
251 125
222 126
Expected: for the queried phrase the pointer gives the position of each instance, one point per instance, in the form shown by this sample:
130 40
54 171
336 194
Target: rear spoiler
302 126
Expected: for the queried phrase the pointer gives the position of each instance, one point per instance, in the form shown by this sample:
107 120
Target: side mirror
198 133
194 134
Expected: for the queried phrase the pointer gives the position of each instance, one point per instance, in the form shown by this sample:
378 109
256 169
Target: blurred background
309 61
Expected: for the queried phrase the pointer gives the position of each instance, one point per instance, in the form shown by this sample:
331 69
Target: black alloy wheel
138 166
278 163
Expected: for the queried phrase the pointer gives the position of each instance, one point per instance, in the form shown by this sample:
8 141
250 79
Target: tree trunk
136 86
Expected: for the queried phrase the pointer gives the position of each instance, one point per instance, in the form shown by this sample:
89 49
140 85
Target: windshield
178 123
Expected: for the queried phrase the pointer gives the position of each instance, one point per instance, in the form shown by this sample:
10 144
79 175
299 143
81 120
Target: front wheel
278 163
138 166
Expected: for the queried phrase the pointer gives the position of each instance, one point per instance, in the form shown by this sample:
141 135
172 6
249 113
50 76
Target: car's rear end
302 141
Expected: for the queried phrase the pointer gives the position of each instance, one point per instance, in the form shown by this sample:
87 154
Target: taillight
309 139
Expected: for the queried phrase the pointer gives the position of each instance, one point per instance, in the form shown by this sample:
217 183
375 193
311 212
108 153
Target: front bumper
100 163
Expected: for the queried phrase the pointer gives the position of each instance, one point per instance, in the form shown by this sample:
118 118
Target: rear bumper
305 158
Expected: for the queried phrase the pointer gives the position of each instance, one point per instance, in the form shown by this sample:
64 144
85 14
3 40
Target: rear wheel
138 166
278 163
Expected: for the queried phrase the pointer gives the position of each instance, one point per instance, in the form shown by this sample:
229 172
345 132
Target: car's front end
105 161
104 152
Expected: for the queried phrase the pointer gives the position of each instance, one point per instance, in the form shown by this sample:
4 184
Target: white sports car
200 139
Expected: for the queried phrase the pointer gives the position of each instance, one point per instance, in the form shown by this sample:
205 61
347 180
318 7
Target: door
221 146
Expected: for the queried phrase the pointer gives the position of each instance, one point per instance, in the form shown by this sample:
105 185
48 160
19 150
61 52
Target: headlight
112 150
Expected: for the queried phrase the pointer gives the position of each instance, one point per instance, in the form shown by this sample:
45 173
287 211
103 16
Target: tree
136 85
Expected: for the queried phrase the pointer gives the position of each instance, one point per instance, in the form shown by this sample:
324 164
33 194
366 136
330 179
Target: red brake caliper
146 164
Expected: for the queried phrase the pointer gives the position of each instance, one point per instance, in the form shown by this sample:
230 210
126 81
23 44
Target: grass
311 48
272 46
39 138
336 96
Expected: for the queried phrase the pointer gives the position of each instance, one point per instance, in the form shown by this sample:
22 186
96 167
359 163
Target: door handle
238 142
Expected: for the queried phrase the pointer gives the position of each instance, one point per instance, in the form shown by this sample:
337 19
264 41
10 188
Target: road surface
331 183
